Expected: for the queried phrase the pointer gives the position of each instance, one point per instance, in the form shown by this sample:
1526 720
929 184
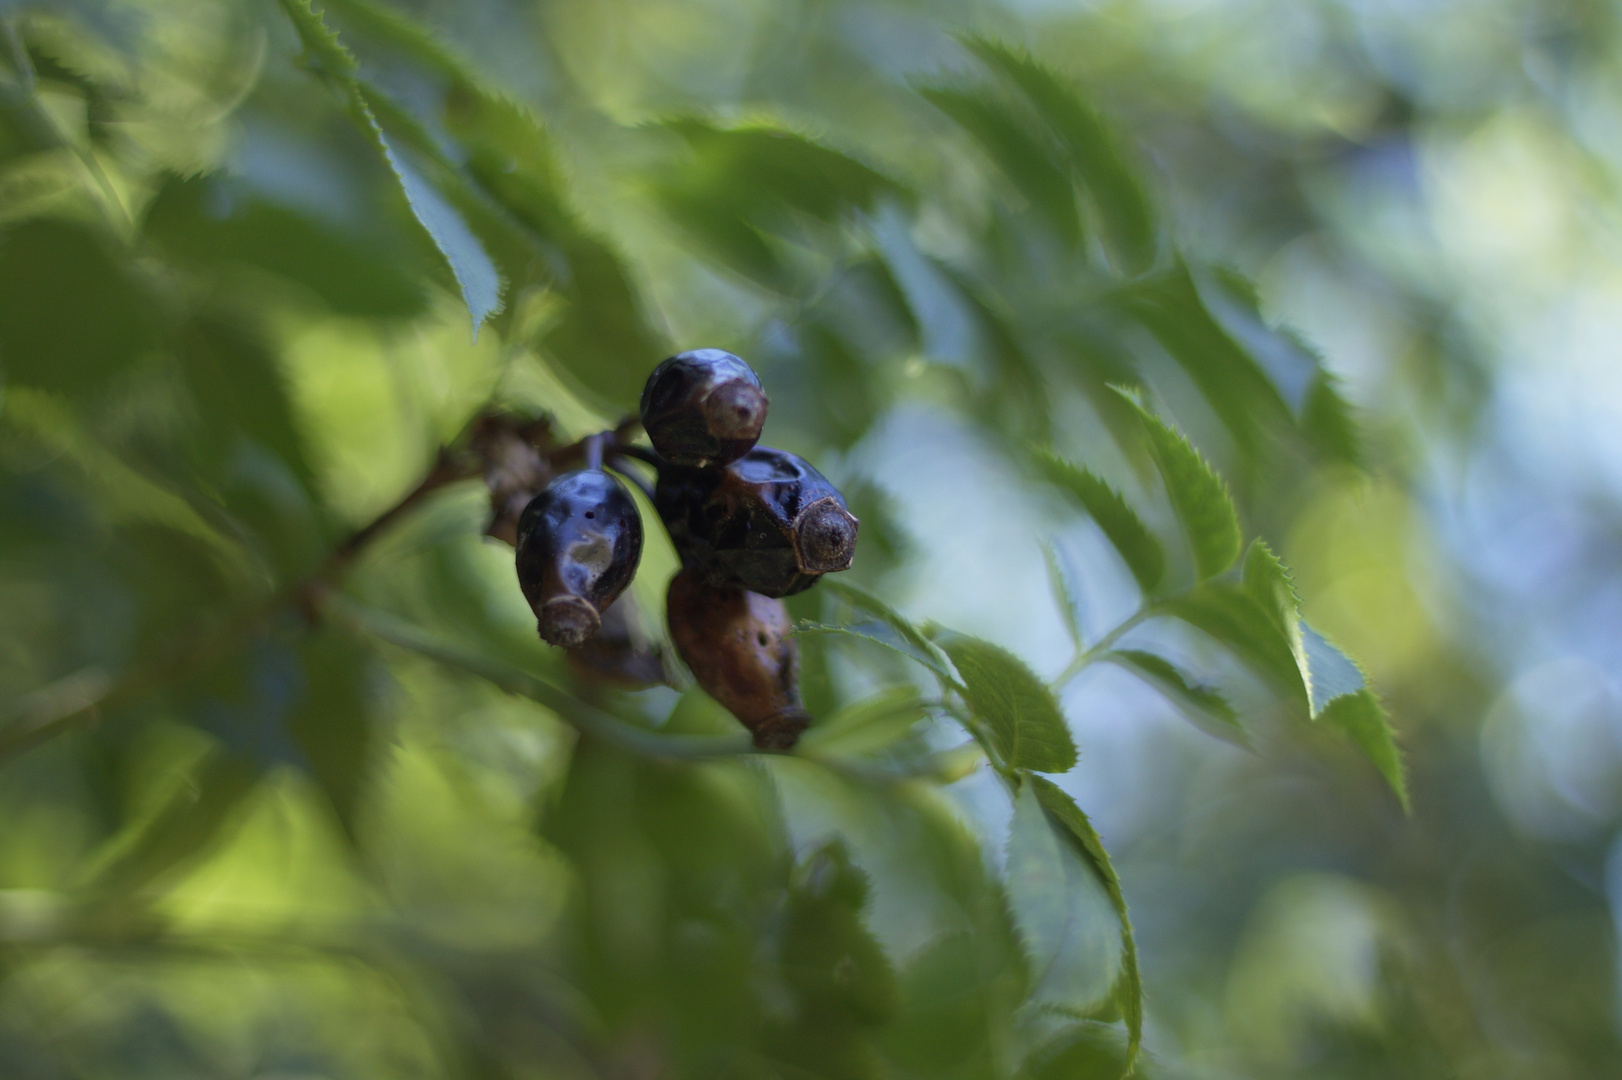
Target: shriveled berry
579 542
738 646
618 652
514 470
768 522
703 408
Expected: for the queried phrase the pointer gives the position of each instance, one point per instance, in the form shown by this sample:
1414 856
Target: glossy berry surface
703 408
738 646
579 542
768 522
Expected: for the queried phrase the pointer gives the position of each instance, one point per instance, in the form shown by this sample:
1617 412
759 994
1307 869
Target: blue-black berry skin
579 543
768 522
703 408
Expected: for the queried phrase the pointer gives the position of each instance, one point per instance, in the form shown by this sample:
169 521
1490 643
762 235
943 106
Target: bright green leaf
908 638
866 725
1135 543
1019 711
1197 494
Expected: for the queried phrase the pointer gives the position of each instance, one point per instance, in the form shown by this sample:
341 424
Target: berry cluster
751 524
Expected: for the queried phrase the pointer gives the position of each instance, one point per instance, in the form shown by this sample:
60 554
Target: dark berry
619 653
579 542
703 408
738 646
768 522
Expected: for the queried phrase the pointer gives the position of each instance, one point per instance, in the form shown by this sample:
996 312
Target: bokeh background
231 845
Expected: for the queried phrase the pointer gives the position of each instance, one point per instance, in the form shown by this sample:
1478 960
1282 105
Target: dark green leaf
1129 990
829 957
1008 141
1361 716
1062 908
72 315
332 720
475 272
1125 215
1197 494
213 222
1136 544
1200 702
1019 711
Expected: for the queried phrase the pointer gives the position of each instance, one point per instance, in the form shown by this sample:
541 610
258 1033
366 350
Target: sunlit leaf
1197 494
1232 616
1137 546
186 827
1018 710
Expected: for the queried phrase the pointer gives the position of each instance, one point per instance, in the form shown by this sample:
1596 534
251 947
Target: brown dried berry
738 646
768 522
514 469
703 408
579 542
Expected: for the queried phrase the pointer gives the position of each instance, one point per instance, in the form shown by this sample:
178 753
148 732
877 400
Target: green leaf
1129 989
73 316
1238 390
323 51
1063 595
185 828
907 638
1135 543
1199 702
1062 909
864 726
475 272
1330 672
1019 710
1008 141
1361 716
828 957
332 720
1197 494
1232 616
1126 217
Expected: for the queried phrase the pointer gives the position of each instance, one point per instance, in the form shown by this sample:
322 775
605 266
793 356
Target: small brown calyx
735 410
567 621
825 537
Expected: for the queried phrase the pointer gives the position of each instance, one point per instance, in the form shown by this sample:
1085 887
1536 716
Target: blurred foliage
289 795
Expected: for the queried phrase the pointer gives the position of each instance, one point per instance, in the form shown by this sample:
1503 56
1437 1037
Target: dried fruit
514 470
579 542
768 522
738 646
619 652
703 408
